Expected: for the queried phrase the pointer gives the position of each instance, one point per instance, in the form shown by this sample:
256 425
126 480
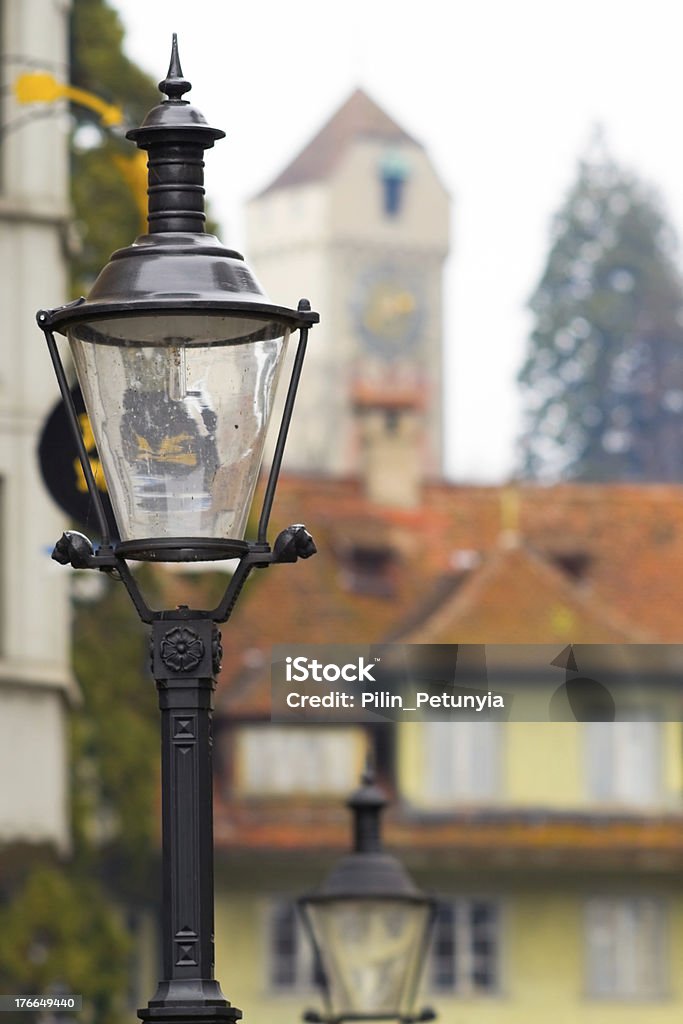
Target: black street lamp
177 352
370 926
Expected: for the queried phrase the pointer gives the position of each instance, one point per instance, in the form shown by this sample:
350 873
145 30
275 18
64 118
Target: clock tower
360 216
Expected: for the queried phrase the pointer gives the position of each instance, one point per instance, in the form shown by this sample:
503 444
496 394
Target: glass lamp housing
179 402
177 351
371 952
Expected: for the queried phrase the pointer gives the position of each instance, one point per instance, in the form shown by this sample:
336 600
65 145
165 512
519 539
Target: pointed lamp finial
369 774
174 85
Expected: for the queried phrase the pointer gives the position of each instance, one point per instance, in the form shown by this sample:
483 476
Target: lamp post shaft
187 825
185 657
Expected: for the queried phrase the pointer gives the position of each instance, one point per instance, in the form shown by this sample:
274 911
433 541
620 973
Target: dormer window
369 570
574 563
393 173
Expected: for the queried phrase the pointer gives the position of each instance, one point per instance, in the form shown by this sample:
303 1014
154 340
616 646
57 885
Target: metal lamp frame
110 554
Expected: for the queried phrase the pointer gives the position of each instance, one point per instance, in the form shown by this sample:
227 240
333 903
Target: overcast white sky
502 94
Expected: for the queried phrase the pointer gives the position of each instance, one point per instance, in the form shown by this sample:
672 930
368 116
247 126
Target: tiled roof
482 839
359 117
573 564
517 597
454 578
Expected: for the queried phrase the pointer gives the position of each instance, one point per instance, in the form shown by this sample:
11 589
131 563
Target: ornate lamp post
370 925
177 352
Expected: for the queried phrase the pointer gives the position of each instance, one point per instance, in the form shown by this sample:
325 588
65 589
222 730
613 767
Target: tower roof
358 117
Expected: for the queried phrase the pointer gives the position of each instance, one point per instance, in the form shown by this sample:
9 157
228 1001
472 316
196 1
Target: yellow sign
95 464
42 87
171 449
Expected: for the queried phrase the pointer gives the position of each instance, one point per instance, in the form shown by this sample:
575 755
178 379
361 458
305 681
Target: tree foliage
115 745
60 936
603 380
105 212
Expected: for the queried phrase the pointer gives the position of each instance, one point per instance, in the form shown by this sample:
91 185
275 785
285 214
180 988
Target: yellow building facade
556 901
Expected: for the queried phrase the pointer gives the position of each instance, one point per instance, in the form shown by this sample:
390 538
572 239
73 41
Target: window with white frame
274 760
461 761
464 957
624 761
626 948
291 961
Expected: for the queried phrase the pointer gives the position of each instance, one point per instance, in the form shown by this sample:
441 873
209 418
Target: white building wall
32 754
356 213
35 681
287 246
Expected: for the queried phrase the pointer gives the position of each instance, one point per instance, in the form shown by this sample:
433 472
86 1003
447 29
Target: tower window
393 173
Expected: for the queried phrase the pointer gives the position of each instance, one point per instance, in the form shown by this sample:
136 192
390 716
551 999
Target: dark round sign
61 469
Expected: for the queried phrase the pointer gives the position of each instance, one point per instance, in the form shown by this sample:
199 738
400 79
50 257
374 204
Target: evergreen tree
603 380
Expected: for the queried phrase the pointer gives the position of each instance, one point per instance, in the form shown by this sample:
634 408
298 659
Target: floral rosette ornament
182 649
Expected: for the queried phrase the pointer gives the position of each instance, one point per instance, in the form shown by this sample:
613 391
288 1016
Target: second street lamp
370 925
177 352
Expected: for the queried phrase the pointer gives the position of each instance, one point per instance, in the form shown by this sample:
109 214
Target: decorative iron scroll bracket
75 549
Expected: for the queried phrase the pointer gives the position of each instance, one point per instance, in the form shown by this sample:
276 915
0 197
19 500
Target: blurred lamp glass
371 951
179 405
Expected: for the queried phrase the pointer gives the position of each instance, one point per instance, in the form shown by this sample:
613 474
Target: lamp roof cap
174 112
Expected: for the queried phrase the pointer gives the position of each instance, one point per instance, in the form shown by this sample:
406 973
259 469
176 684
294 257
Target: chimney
391 431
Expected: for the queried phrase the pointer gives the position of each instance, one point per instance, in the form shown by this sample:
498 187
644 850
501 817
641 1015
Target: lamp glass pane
179 406
372 953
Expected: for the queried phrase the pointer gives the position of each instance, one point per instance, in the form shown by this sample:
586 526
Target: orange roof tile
509 839
455 577
516 597
451 580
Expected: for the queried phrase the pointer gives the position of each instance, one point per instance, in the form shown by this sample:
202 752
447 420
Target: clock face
388 310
